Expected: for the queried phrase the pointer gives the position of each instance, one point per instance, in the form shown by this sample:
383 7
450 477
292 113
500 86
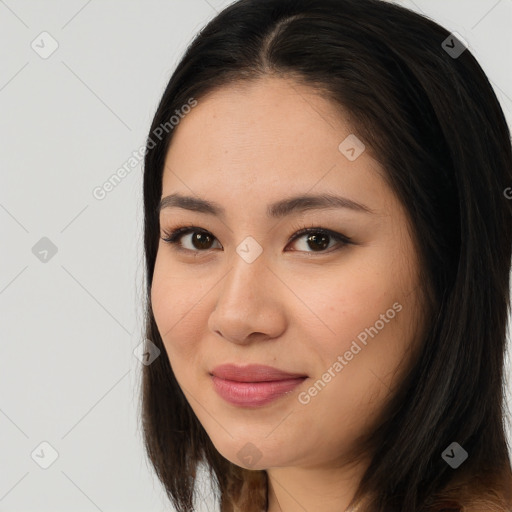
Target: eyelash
174 237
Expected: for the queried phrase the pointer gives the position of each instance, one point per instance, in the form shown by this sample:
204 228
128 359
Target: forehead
244 115
268 135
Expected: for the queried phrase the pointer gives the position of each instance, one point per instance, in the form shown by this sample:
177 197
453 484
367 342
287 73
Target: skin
296 307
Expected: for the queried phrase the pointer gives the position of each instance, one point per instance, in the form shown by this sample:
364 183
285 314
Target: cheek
176 306
356 369
364 313
163 308
341 302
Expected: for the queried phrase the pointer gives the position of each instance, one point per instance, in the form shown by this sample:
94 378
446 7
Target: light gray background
68 375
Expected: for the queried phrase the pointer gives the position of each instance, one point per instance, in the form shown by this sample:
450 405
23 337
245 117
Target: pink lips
253 385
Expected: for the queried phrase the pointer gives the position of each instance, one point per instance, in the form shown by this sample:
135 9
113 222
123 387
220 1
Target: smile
254 394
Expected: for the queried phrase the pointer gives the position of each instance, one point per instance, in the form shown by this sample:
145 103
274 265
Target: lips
253 373
253 385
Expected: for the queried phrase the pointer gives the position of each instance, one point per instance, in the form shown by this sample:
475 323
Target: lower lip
254 394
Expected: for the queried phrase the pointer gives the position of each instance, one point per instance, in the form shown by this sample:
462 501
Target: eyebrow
279 209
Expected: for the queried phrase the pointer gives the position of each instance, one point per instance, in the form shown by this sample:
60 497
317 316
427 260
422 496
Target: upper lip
253 373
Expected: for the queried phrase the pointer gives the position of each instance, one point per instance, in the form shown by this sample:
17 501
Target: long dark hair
429 115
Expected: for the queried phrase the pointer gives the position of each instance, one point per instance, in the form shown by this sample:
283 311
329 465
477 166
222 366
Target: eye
200 240
320 239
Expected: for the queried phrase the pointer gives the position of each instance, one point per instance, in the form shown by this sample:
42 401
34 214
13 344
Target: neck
330 489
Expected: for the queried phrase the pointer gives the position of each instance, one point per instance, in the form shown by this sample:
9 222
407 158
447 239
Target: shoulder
487 507
483 494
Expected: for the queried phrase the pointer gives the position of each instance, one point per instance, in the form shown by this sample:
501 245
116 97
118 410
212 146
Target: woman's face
245 292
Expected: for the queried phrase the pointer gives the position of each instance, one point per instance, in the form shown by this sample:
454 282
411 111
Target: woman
328 245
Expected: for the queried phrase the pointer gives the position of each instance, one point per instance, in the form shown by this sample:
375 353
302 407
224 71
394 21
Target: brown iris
321 240
203 240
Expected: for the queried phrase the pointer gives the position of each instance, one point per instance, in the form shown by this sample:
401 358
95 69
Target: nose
248 304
